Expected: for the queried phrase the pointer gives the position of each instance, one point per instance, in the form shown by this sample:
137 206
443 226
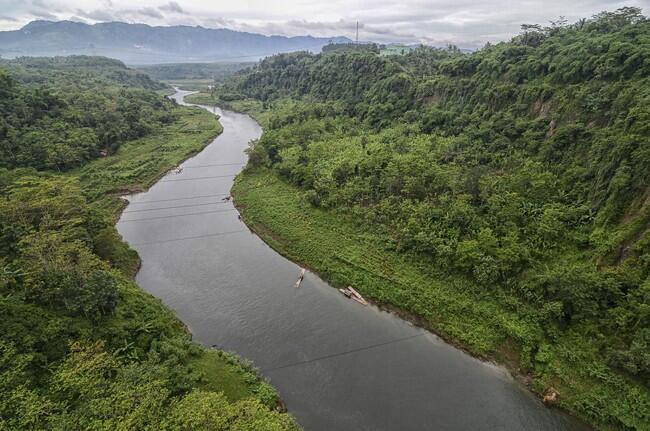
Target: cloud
149 12
172 7
128 15
8 18
39 4
42 14
467 23
97 15
75 18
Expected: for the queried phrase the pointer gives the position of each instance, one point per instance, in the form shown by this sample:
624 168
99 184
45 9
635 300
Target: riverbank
342 252
200 98
138 164
134 168
251 107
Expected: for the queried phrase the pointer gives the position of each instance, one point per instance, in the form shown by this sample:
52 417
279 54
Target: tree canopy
53 116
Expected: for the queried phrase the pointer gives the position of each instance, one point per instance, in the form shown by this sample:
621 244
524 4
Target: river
337 364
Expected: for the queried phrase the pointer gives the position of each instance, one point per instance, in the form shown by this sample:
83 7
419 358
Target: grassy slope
136 166
343 253
140 163
201 98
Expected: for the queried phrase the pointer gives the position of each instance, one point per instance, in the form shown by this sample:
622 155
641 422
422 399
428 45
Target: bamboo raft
353 294
300 278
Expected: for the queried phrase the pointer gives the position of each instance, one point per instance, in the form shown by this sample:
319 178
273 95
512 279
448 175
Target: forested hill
519 172
58 113
77 71
82 347
144 44
218 72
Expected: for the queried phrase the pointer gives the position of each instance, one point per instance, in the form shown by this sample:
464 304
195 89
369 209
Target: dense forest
517 173
81 345
217 72
58 113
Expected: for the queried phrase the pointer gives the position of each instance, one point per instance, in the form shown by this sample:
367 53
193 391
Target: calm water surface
337 365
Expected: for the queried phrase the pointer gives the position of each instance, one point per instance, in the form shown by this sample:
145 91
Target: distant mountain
144 44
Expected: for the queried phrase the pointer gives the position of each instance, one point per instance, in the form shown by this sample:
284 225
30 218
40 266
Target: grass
136 166
166 91
190 84
225 372
488 324
201 98
345 254
219 375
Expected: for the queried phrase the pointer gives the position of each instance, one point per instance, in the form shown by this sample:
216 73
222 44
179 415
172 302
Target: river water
337 364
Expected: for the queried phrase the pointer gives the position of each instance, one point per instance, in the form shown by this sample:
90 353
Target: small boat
345 292
300 278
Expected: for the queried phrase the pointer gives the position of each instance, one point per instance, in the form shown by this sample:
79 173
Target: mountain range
144 44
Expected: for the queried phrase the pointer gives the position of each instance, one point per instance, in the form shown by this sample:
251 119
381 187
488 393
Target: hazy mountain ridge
144 44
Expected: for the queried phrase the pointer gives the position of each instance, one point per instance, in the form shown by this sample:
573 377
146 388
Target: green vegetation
139 163
255 108
56 118
202 85
261 112
215 72
77 71
135 167
82 346
500 197
193 76
202 98
396 50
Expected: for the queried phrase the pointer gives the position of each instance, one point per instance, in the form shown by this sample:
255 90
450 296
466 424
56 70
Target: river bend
336 364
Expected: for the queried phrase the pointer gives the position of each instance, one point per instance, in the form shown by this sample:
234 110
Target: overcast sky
467 23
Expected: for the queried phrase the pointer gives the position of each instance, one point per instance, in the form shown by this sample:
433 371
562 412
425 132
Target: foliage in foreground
517 174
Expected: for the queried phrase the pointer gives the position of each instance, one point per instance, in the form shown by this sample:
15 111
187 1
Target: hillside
500 198
81 345
216 72
58 113
77 71
144 44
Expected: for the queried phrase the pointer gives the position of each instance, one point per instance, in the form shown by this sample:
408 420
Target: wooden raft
353 294
300 278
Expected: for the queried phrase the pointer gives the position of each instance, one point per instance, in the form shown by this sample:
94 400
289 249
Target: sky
466 23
